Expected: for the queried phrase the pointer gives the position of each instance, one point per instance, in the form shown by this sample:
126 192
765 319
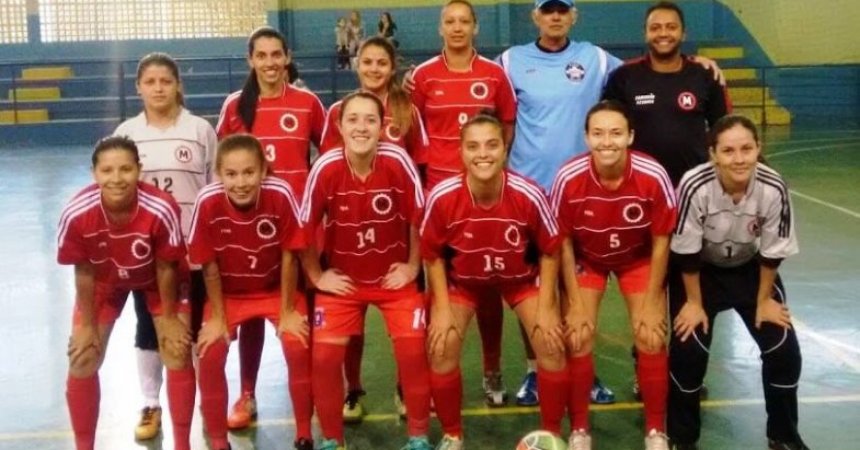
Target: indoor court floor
822 167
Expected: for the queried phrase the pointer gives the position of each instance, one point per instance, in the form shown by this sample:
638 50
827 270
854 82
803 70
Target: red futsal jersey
246 244
123 255
612 229
447 99
366 223
489 246
285 125
414 141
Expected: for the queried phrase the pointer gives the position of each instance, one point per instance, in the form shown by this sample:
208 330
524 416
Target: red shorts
473 297
339 316
241 309
632 279
109 301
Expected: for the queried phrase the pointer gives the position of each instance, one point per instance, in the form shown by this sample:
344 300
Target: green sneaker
330 444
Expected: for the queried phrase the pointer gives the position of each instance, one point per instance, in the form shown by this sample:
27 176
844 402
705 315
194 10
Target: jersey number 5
614 241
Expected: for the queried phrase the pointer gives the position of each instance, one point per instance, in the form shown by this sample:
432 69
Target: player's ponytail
247 106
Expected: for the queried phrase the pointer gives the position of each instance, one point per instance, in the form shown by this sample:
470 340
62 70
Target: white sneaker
579 440
656 440
495 392
449 442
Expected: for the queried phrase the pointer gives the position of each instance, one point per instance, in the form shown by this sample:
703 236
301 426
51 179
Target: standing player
244 233
448 90
617 208
177 149
402 126
123 235
735 228
286 120
488 235
366 196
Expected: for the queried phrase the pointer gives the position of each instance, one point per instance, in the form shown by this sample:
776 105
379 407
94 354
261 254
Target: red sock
652 370
447 389
252 336
181 390
352 364
490 317
328 388
581 379
553 391
414 370
83 396
299 381
213 393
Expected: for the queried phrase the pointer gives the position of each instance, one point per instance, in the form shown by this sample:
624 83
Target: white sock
531 365
150 373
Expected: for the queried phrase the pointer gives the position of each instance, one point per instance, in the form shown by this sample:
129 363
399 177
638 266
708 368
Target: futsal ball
541 440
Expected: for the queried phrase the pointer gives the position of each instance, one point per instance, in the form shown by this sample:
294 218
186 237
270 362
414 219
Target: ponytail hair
247 106
399 101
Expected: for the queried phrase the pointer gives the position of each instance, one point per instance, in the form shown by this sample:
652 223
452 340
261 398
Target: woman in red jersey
616 208
366 196
488 235
286 120
244 232
123 235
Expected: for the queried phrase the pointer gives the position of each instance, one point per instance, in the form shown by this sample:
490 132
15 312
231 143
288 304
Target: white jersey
178 160
728 234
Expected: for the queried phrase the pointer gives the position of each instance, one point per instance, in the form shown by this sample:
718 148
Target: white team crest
512 235
266 229
381 204
479 90
289 122
140 249
687 101
392 133
574 71
633 213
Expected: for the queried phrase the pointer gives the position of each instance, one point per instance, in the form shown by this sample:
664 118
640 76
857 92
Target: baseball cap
542 3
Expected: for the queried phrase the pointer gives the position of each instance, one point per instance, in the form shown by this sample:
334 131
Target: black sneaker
676 446
303 444
779 445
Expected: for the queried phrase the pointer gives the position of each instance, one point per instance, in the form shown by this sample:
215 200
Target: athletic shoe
417 443
243 413
399 404
303 444
495 392
600 394
353 411
579 440
330 444
779 445
528 393
149 425
685 447
449 442
656 440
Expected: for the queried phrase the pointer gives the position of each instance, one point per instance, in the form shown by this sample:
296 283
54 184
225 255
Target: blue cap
542 3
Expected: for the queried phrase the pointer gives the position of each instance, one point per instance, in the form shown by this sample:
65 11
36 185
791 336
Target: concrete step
23 116
768 115
722 52
34 93
47 73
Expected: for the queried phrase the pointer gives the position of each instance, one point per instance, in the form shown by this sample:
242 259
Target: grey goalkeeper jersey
729 234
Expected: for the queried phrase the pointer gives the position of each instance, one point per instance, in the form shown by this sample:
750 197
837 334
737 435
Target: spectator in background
341 36
387 28
355 28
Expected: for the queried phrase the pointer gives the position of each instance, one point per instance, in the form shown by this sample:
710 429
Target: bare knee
86 365
448 360
175 360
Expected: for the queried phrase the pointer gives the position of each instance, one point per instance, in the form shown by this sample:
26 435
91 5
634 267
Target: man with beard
673 100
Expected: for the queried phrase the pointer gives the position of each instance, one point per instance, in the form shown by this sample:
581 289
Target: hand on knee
86 364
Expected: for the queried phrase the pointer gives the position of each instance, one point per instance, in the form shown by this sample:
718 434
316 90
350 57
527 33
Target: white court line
833 346
851 213
813 149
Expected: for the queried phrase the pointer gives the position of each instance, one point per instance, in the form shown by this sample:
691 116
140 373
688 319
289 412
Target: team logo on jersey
319 317
392 132
512 235
381 204
479 90
633 213
266 229
754 227
574 71
289 122
687 101
183 154
140 249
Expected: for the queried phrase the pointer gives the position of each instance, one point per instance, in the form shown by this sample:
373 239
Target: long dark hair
251 90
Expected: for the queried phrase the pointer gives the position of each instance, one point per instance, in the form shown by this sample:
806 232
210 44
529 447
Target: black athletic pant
145 337
736 289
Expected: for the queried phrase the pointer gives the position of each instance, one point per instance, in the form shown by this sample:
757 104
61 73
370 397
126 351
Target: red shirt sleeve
200 248
161 237
506 100
547 234
419 94
293 235
71 249
665 210
432 232
417 140
228 116
318 121
313 204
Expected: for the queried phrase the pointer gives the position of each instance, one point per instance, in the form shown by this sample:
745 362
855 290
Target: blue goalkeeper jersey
554 92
